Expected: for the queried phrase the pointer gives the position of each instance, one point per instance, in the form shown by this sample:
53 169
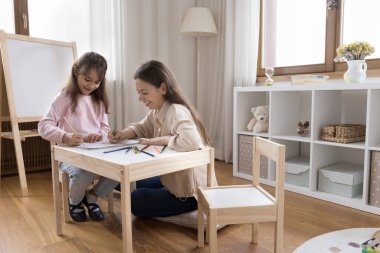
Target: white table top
120 157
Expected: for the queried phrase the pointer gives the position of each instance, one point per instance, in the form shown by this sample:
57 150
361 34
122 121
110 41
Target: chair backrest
274 152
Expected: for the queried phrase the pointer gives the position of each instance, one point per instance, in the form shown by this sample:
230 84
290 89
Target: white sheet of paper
106 144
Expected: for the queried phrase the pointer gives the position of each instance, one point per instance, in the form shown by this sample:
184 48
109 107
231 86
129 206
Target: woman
174 122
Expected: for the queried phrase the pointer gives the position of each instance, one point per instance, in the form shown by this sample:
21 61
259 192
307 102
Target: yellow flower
354 51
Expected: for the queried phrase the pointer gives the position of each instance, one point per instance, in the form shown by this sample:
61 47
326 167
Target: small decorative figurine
303 128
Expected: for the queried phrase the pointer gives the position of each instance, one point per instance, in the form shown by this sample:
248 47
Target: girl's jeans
81 179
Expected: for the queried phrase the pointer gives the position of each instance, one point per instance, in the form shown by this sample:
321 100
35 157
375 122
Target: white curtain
106 39
216 78
247 26
228 60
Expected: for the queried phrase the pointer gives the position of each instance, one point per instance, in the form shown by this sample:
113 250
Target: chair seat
230 197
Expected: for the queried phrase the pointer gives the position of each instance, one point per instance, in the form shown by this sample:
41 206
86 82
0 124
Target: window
360 22
7 18
55 20
301 36
58 20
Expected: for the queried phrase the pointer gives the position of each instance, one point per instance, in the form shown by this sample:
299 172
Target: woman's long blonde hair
156 73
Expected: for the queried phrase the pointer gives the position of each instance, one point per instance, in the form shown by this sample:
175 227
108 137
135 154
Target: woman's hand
163 140
115 138
93 138
72 139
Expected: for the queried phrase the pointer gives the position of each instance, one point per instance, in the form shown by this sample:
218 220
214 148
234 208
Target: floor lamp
198 22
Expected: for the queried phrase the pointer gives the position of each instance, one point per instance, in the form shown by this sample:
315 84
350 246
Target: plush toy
303 128
259 123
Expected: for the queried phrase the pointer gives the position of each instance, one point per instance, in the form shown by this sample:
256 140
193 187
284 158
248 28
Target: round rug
341 241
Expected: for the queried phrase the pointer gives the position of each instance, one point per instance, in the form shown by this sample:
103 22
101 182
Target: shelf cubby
287 108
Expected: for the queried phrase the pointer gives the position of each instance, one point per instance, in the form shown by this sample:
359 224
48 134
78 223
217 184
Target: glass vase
356 72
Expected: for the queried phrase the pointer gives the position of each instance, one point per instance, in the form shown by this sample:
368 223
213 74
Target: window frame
21 13
333 38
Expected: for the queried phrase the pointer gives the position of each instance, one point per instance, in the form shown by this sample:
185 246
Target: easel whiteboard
35 70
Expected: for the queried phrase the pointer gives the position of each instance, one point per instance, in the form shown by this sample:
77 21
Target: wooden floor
26 224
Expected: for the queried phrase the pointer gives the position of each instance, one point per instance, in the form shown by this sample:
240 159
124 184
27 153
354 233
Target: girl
174 122
77 114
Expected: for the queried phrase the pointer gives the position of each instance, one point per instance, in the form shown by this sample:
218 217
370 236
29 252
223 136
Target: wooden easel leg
0 145
20 166
2 90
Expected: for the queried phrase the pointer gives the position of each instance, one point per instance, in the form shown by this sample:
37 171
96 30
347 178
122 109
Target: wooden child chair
242 204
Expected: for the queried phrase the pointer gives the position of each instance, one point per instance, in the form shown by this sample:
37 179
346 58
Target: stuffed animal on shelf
260 121
303 128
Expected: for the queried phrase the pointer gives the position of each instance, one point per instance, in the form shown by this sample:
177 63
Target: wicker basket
343 133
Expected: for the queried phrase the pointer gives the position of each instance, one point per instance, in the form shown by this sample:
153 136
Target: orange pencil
156 149
68 123
146 146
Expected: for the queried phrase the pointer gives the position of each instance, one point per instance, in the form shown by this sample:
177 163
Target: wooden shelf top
23 134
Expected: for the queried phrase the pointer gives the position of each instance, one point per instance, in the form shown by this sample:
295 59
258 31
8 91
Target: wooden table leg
57 196
126 216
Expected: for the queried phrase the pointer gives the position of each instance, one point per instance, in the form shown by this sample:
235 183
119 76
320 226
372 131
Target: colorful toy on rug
371 246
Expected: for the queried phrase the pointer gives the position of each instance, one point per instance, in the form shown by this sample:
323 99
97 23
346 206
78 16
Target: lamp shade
198 22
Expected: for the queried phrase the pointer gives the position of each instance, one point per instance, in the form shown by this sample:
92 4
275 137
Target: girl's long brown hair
156 73
83 65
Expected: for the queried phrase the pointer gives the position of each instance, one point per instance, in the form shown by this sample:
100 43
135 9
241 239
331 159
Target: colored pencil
147 153
68 123
114 150
135 149
156 149
146 146
162 150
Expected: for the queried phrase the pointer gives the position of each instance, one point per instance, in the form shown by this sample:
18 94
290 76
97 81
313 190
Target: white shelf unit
333 102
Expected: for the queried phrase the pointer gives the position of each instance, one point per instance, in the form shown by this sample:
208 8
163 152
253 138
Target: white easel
34 71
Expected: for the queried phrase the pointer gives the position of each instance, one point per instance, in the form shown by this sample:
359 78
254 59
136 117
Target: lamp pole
198 22
198 70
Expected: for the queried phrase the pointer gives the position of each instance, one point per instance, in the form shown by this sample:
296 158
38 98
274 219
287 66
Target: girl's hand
72 139
115 138
94 138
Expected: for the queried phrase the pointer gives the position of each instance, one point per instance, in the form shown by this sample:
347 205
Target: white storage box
297 171
344 179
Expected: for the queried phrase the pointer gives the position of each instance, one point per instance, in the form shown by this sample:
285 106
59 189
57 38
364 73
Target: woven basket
343 133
